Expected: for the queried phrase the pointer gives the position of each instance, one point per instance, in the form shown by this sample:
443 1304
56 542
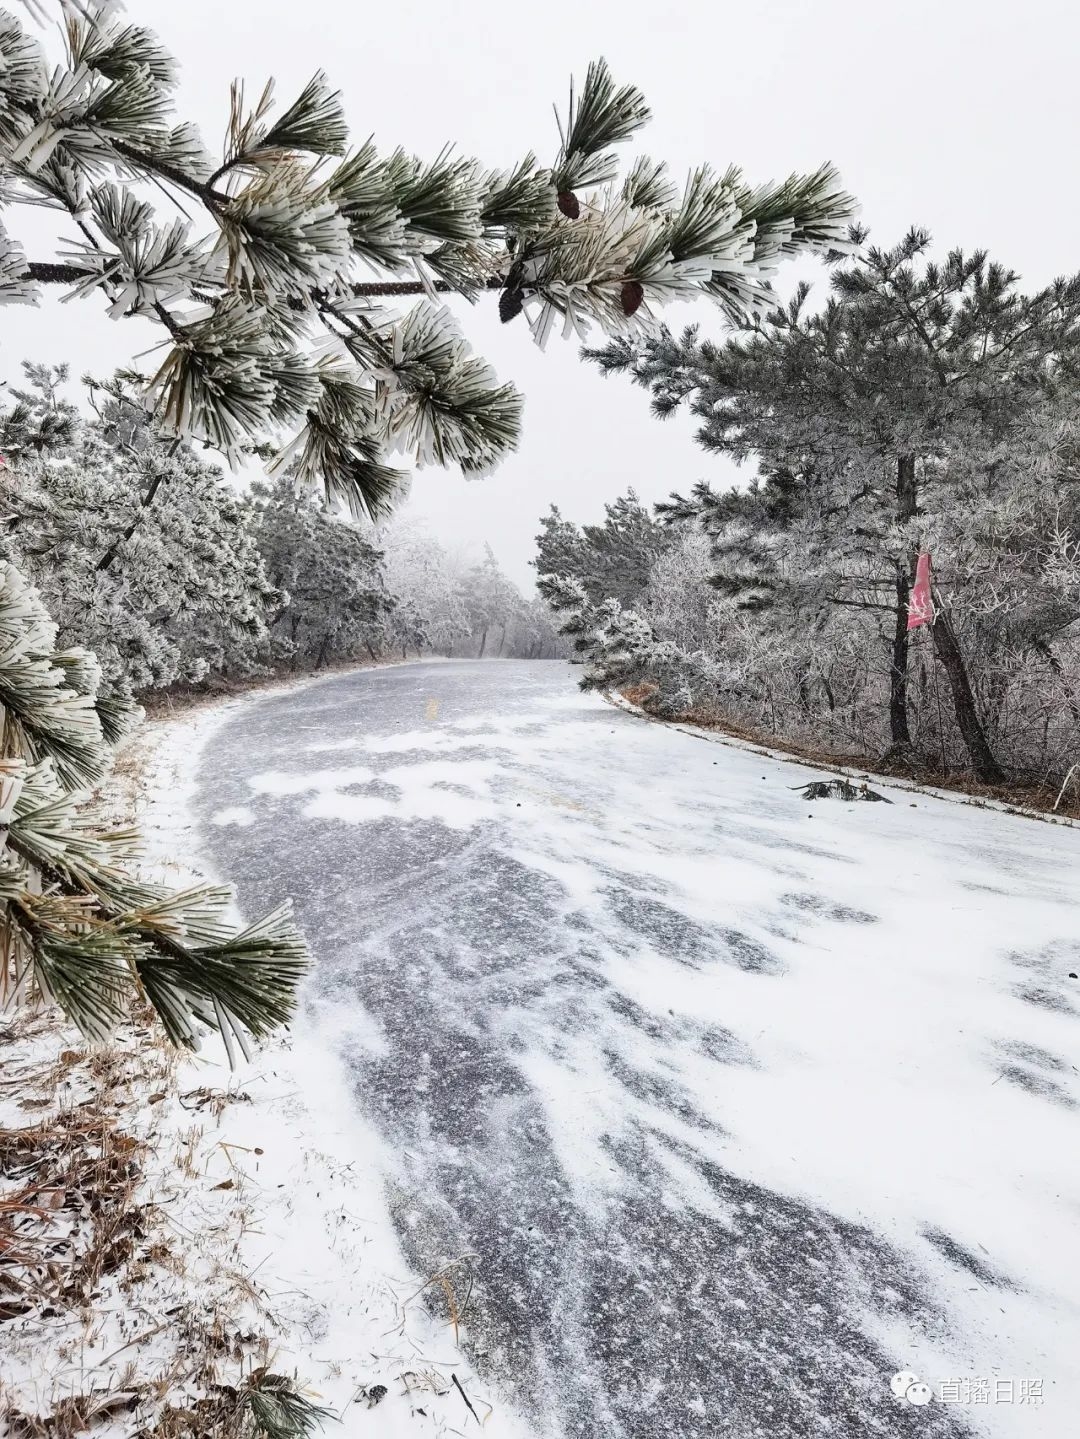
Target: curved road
745 1103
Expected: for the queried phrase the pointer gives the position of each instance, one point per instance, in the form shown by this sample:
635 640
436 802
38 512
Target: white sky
960 115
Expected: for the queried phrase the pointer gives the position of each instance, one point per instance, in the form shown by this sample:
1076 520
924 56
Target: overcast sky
960 115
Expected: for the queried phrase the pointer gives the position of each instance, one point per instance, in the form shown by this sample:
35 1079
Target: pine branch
48 272
385 289
213 199
52 273
147 499
289 233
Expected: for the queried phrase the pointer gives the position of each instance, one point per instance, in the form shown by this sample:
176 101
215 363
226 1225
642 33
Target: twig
1065 784
468 1401
137 1340
433 1278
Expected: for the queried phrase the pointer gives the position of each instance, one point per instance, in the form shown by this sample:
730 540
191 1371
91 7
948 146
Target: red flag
920 605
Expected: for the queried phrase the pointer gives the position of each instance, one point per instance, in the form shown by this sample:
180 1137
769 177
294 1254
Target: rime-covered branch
240 255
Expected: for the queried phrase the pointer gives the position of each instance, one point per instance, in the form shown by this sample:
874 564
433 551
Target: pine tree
162 592
856 416
429 608
76 926
611 560
535 636
333 601
272 336
620 648
490 599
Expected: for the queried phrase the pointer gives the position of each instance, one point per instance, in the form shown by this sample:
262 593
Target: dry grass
126 1317
123 1303
443 1281
639 693
73 1216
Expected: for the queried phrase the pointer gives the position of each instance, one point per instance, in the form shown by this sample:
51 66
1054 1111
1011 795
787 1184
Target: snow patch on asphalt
841 1031
320 1240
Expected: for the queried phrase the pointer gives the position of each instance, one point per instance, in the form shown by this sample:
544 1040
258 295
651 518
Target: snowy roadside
846 771
247 1228
785 1094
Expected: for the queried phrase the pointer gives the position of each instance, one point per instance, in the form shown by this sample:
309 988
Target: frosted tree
610 560
622 651
491 600
853 414
162 592
334 603
77 926
681 605
41 421
442 605
1011 532
534 634
429 609
249 260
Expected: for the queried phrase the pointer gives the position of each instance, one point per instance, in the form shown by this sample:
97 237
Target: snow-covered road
743 1103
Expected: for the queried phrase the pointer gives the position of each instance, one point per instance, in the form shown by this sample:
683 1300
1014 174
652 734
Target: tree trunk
371 652
947 649
483 643
802 681
125 535
322 650
906 508
502 641
899 732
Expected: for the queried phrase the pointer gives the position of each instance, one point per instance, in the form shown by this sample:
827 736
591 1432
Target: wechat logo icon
910 1389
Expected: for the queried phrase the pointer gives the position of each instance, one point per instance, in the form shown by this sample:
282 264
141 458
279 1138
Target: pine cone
567 202
509 305
632 296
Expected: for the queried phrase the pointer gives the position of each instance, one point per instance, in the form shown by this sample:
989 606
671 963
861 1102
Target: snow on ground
742 1103
319 1242
706 1109
254 1223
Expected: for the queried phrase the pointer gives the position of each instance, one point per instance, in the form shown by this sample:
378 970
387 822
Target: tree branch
210 197
375 289
860 604
48 273
45 272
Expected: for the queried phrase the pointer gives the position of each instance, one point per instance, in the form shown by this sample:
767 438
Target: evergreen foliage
924 407
612 560
147 556
489 599
909 411
250 260
333 601
448 608
140 551
77 927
